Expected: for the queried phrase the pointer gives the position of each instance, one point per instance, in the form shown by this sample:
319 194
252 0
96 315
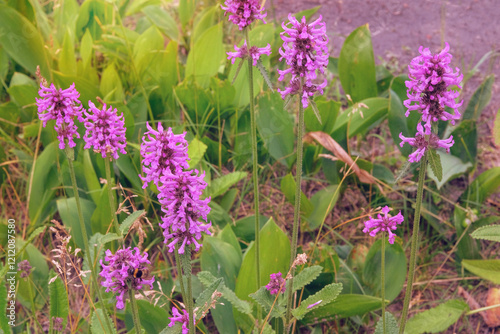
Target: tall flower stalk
305 51
428 93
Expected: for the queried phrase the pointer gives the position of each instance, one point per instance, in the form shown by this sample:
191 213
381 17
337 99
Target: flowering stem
186 263
111 196
70 156
255 165
382 263
179 272
135 312
296 213
414 243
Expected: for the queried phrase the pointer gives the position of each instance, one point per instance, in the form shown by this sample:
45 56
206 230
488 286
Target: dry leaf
492 318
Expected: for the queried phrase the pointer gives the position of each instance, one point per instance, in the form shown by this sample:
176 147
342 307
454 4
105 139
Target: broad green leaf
204 299
357 65
22 90
266 301
136 6
222 184
102 218
487 269
203 21
227 235
22 41
483 186
93 185
176 329
435 163
67 60
465 137
147 49
438 319
4 322
391 325
343 307
86 48
66 15
452 167
323 202
306 276
326 295
93 14
479 99
69 215
129 166
97 244
98 324
186 11
220 259
155 317
288 187
328 110
206 56
39 277
127 223
491 232
276 129
397 122
395 263
218 215
163 20
245 227
59 305
111 85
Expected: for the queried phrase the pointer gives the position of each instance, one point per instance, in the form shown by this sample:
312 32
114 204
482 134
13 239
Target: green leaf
204 21
452 167
397 122
391 325
98 324
88 91
4 322
435 162
438 319
127 223
69 215
324 296
102 217
204 299
328 111
163 20
395 263
288 187
479 99
276 129
153 318
176 329
266 301
491 232
67 60
465 137
93 184
147 49
86 45
22 89
222 184
111 85
316 110
206 56
343 307
186 11
496 129
220 259
59 305
483 186
130 168
323 202
306 276
487 269
22 41
267 79
357 65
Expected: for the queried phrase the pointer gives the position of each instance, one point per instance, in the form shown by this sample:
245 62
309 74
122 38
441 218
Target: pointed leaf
67 60
127 223
204 299
438 319
222 184
316 111
163 20
346 305
435 162
491 232
323 297
479 99
391 325
266 301
266 77
487 269
306 276
452 167
59 305
98 324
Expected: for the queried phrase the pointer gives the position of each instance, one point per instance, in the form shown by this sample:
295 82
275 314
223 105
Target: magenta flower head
62 106
243 12
305 50
430 78
425 139
182 318
276 284
105 131
244 52
162 152
384 223
183 209
125 271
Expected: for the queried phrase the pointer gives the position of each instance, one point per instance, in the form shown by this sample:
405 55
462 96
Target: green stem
111 196
70 156
135 312
414 243
179 272
296 213
382 263
254 172
186 259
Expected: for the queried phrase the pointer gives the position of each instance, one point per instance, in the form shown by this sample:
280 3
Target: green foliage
438 319
452 167
4 322
479 99
435 162
267 302
322 202
306 276
98 325
324 296
59 304
288 189
127 223
487 269
391 325
491 232
222 184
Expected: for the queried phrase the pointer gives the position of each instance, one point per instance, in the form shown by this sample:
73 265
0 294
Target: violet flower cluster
384 223
105 131
62 106
243 12
165 163
182 318
244 52
120 273
275 284
428 93
305 50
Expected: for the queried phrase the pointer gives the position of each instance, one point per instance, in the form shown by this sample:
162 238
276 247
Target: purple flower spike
125 271
384 223
105 131
430 78
425 139
163 151
305 50
274 286
61 106
180 201
182 318
244 52
243 12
